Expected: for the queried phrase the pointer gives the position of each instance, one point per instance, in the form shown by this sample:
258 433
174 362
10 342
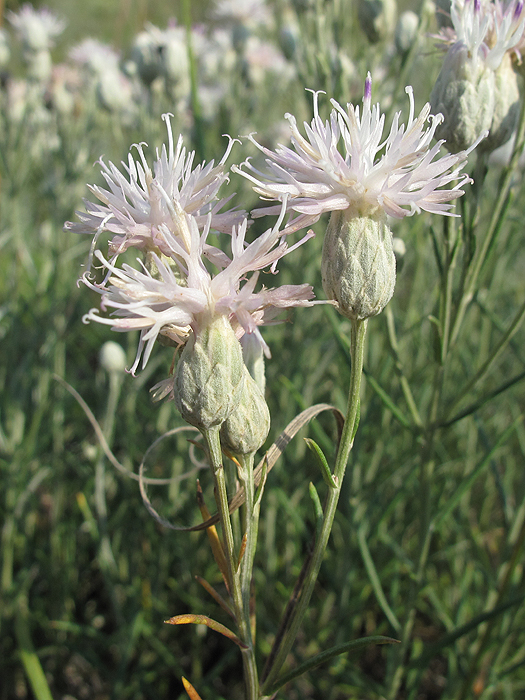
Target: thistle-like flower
162 305
401 175
374 177
37 29
143 202
477 88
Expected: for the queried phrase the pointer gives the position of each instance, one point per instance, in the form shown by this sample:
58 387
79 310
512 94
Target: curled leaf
190 619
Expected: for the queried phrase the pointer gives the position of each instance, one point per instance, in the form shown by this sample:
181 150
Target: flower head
487 30
36 28
142 202
179 305
401 174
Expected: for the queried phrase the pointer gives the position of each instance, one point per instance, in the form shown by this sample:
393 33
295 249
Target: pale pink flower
141 202
162 306
402 173
36 29
487 30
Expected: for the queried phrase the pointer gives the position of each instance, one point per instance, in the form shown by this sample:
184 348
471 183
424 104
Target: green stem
251 525
347 440
242 617
496 220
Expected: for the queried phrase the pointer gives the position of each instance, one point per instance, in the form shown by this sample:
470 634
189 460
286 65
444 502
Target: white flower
142 202
244 11
160 305
477 88
486 29
95 56
36 28
401 174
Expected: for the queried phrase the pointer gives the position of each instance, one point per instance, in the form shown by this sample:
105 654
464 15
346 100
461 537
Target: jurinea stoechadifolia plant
345 168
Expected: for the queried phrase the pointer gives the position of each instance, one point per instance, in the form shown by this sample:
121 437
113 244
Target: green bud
464 93
247 427
358 265
506 106
253 356
406 31
210 375
377 18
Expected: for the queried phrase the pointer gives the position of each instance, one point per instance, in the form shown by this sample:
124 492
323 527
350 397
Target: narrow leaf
213 538
322 462
385 398
325 656
192 693
215 595
375 581
318 509
190 619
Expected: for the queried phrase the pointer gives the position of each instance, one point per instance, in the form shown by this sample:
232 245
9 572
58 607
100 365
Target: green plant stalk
32 666
347 439
251 526
494 226
242 617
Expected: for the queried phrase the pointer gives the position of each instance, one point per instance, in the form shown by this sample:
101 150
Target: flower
486 29
477 89
162 305
141 203
402 174
36 28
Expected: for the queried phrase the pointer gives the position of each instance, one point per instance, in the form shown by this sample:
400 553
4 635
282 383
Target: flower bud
464 94
253 356
506 106
406 31
210 375
247 427
358 265
377 18
112 357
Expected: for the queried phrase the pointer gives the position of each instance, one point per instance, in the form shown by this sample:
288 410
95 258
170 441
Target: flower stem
240 610
347 440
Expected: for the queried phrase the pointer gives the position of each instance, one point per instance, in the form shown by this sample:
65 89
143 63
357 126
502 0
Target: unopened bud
377 18
506 106
253 355
406 31
464 94
358 265
210 375
247 427
112 357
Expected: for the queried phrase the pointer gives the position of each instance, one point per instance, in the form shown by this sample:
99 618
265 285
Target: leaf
385 398
325 656
190 619
317 508
192 693
215 595
323 464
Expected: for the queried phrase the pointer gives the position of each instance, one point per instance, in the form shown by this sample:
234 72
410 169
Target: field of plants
400 367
